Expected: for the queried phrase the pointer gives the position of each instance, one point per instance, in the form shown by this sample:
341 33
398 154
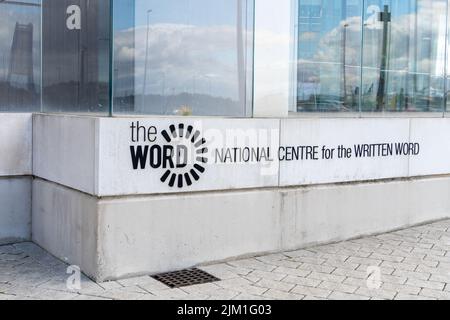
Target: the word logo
190 155
180 152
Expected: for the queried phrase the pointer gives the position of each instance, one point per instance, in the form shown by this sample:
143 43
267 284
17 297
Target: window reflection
329 55
404 55
183 57
404 47
75 56
19 55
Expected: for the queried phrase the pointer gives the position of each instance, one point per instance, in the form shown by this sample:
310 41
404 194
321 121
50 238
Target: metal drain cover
185 278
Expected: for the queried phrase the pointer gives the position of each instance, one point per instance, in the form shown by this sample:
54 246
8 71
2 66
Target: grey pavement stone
339 287
399 266
277 285
394 279
385 257
282 295
252 264
225 271
414 264
438 270
434 258
310 291
309 260
346 296
292 272
384 269
110 285
341 265
86 297
438 294
317 268
206 288
412 274
244 296
401 288
426 284
311 298
252 279
250 289
365 261
376 293
350 273
357 282
421 261
223 294
326 277
301 253
285 263
268 275
308 282
440 278
141 281
401 296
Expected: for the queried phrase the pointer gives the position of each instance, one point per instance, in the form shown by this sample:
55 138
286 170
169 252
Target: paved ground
408 264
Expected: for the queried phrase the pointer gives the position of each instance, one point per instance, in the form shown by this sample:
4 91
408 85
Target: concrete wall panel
15 144
15 209
64 150
64 222
156 234
335 213
433 136
333 133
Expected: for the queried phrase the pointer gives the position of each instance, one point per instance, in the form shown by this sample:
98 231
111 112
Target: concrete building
144 136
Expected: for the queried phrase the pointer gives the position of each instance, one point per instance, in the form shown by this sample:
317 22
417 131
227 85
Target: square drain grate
185 278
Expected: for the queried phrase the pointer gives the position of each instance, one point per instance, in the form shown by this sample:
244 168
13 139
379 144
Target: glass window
183 57
329 42
404 46
75 56
404 55
20 55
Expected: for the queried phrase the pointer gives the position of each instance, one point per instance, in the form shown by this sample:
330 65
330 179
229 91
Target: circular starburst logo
188 151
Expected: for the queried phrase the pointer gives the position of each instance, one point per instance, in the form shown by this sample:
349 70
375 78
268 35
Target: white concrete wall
15 185
334 213
157 234
123 237
64 222
15 209
64 150
130 234
116 176
93 154
15 144
333 133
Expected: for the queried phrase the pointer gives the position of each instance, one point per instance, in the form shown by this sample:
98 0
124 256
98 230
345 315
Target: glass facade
195 57
329 63
75 56
372 55
183 57
20 57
